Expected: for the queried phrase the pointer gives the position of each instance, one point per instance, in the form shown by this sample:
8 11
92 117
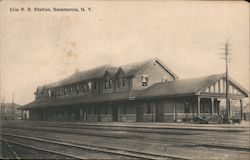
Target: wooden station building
142 92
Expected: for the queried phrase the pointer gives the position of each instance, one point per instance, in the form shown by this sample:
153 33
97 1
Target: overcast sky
42 47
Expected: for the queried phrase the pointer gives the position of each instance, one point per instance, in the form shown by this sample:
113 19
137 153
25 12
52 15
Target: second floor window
89 85
123 82
144 80
106 84
164 79
110 84
64 91
119 82
49 93
77 89
95 85
84 88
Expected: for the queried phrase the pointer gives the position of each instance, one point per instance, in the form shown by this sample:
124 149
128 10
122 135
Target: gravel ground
170 147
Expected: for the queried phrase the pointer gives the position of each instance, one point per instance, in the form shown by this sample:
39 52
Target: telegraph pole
227 60
1 109
3 105
12 107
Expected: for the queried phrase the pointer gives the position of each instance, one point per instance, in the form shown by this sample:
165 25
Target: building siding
155 73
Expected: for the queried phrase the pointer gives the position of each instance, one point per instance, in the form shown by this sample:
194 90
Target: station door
159 112
139 114
76 114
114 113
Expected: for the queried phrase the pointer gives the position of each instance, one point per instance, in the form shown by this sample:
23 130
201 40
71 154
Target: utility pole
1 109
3 105
227 60
12 107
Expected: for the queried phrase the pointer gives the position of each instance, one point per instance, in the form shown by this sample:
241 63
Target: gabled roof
99 72
134 68
183 87
190 86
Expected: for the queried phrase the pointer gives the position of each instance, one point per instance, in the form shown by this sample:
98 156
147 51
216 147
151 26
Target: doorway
114 113
139 114
159 112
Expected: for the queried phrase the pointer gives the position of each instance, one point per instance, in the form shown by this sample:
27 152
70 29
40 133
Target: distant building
147 91
10 111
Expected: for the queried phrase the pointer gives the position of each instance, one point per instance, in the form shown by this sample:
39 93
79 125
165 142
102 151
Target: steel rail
98 148
9 149
154 139
45 150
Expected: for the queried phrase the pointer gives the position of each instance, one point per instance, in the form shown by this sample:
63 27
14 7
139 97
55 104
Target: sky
42 47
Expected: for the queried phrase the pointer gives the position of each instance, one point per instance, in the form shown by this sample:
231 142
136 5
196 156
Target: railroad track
38 149
6 150
101 151
150 139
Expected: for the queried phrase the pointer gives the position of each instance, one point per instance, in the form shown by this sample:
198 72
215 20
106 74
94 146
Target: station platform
245 125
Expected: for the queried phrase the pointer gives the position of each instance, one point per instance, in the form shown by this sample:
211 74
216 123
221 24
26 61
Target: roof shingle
99 72
179 87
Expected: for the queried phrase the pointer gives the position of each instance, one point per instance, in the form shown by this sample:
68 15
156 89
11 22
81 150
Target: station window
110 84
77 89
49 93
106 84
89 85
164 79
84 88
59 92
81 88
94 85
144 80
64 91
123 82
119 82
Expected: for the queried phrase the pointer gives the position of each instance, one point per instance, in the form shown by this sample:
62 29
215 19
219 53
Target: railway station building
146 91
